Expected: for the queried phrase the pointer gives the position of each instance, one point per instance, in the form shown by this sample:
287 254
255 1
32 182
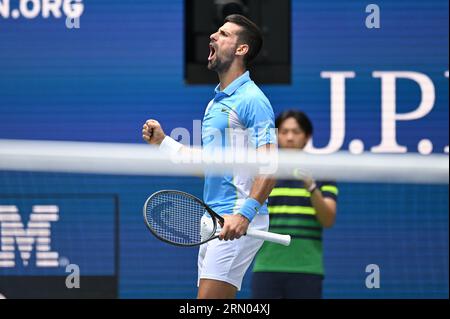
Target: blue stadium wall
126 64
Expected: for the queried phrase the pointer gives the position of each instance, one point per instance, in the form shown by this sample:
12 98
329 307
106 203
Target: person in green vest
301 208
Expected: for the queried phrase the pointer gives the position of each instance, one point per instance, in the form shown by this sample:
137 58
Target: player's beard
221 64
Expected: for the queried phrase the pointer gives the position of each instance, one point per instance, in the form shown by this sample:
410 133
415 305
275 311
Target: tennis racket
184 220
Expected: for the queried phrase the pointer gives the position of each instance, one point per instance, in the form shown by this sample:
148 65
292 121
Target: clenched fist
153 133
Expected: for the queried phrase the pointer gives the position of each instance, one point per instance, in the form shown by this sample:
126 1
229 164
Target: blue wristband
250 208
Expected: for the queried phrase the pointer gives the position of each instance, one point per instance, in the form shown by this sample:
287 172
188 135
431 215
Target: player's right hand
152 132
235 227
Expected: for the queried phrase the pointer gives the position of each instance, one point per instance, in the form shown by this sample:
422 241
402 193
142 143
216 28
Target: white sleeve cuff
169 146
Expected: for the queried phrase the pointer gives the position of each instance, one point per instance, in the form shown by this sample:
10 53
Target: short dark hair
302 119
250 35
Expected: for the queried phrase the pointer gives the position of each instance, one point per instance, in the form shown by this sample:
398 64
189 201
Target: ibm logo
36 234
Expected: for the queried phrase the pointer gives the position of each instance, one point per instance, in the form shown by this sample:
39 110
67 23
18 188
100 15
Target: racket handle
268 236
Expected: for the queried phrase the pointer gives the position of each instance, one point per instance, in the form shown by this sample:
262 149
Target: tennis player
302 208
238 105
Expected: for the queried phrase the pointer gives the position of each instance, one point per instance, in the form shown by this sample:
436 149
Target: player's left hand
235 226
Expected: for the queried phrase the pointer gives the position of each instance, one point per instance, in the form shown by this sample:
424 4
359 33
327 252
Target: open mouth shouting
212 52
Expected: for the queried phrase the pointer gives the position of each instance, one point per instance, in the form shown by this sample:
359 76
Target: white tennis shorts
229 260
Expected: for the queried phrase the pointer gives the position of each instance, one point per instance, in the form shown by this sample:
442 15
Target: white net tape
135 159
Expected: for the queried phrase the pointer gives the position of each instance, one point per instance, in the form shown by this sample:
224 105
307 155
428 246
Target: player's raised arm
153 134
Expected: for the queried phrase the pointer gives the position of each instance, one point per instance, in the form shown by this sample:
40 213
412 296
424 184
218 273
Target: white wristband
169 146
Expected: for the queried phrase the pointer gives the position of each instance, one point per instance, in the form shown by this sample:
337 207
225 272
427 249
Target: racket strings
175 218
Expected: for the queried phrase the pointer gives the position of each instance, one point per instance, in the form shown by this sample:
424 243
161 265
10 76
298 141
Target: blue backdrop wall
125 64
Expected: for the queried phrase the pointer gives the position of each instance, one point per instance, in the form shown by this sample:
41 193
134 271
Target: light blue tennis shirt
239 116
